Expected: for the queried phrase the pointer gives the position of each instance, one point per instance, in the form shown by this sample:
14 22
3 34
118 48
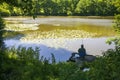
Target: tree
72 6
82 7
2 46
48 7
117 23
117 17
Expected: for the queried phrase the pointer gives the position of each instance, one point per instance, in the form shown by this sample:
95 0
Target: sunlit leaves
117 23
65 7
96 7
117 4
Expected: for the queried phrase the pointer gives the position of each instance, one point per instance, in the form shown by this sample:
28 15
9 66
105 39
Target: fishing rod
82 39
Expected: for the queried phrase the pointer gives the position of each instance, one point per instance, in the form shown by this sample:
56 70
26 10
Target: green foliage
117 23
1 33
106 67
8 10
4 12
117 4
26 64
53 59
15 11
96 7
22 64
61 7
116 41
4 9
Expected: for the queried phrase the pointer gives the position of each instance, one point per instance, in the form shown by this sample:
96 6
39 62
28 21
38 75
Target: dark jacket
82 52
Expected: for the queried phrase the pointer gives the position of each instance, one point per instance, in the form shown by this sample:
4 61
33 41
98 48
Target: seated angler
82 52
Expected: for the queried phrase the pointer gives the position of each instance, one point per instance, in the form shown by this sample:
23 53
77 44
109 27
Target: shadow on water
62 50
60 54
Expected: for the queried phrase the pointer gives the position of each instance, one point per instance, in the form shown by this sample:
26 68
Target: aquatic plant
53 30
54 34
21 27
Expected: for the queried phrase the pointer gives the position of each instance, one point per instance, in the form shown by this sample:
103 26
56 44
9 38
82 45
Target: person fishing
81 53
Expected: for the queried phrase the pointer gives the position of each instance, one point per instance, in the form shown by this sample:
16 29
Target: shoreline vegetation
23 63
26 63
60 8
40 16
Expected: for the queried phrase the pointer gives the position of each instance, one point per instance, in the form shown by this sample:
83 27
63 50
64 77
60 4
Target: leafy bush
106 66
4 12
16 11
117 23
4 9
26 64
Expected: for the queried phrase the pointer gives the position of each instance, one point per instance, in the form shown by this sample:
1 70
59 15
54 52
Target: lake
60 35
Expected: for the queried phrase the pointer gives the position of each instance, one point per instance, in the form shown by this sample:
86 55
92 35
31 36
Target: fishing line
82 41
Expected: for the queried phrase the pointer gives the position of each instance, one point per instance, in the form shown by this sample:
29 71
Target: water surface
60 35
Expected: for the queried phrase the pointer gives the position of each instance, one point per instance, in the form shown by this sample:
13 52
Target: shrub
4 12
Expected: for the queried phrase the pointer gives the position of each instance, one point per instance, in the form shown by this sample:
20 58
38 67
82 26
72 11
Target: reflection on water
62 25
62 48
61 35
61 20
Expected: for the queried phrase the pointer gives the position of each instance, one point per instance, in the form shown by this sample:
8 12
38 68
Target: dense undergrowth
26 64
